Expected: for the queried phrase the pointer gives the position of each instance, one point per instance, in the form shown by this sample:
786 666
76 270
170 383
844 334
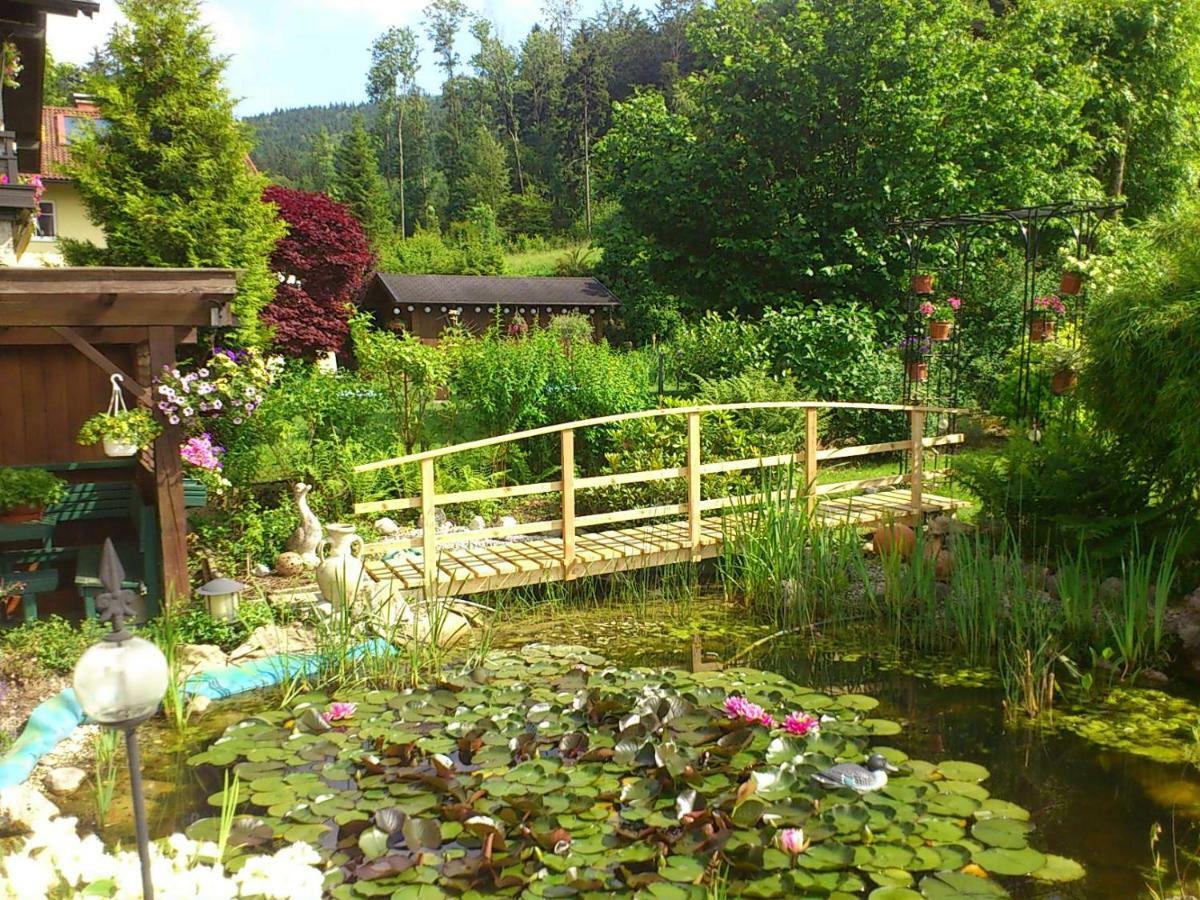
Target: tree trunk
587 168
400 150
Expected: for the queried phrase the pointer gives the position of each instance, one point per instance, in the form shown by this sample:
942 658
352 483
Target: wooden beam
568 502
693 481
810 459
429 529
168 484
75 340
917 418
33 335
41 309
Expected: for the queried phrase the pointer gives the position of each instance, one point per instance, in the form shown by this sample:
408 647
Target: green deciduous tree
391 82
168 180
358 184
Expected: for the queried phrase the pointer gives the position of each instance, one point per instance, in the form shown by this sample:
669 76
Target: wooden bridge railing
568 485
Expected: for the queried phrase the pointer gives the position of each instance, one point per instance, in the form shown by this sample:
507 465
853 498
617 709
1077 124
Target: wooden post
168 482
693 482
568 501
917 418
810 459
428 529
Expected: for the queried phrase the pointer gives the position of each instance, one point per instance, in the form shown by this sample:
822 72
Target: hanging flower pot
120 431
1063 380
922 284
1071 283
1041 330
918 370
118 447
940 331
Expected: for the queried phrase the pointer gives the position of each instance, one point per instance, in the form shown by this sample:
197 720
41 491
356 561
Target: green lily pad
956 770
1059 868
1005 861
1007 833
959 886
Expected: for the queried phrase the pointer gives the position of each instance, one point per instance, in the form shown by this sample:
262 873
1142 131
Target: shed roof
490 290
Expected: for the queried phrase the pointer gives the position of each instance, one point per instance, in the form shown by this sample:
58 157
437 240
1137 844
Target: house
425 304
22 141
61 213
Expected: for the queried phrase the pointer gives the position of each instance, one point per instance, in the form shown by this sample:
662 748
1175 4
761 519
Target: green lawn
543 262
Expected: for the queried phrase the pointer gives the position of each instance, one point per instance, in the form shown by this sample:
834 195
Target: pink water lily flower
338 711
791 840
741 708
800 724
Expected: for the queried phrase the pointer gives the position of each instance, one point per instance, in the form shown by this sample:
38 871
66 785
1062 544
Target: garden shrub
717 347
1143 332
422 253
834 352
478 243
48 645
194 625
1075 485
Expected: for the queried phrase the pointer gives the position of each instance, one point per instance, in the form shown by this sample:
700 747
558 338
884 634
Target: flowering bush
39 187
1049 307
914 348
205 456
941 310
229 385
55 862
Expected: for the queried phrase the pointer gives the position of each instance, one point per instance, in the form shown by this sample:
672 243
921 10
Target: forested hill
283 138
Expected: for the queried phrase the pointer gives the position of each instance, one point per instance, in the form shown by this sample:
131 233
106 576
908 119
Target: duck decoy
863 779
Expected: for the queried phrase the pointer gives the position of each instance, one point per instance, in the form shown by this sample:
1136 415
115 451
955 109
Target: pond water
1093 803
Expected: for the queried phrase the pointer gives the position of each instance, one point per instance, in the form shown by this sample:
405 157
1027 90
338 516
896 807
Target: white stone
507 522
65 780
22 808
195 658
386 527
478 524
262 570
198 705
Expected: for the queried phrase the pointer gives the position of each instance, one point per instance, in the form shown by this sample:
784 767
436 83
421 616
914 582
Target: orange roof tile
56 152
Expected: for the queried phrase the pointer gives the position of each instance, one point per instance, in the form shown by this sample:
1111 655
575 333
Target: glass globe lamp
121 682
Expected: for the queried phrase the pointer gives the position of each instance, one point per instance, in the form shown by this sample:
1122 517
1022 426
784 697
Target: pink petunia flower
955 302
926 308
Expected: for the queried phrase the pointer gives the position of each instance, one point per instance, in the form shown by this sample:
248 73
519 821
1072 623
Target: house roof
63 7
56 151
490 290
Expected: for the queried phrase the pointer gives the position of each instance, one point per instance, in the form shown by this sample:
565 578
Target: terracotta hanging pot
918 370
1063 380
940 331
21 514
1071 283
1041 330
922 284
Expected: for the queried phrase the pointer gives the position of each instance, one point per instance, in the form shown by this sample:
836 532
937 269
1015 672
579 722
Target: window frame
43 238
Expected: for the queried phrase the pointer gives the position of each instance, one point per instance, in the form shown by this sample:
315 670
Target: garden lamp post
223 596
119 682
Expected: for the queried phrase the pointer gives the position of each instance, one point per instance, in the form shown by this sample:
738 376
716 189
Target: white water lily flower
29 877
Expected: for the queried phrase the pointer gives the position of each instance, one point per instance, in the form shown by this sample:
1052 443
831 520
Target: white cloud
73 38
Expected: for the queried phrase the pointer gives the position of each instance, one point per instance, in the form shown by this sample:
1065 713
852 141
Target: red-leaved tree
322 262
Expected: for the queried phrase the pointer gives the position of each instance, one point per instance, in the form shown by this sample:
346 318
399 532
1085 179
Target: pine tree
391 81
320 174
169 179
358 184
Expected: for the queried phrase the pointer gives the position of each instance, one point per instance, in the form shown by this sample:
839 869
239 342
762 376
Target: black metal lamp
120 683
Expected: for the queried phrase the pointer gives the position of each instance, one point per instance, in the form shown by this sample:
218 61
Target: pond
1093 803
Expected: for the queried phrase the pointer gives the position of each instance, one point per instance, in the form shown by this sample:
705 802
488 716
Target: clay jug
341 574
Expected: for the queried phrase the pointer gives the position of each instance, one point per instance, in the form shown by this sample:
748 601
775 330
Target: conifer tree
169 179
358 184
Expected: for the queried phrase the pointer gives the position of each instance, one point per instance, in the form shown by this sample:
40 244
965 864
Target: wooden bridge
570 546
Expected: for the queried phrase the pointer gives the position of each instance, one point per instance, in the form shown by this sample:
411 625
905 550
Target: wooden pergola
124 321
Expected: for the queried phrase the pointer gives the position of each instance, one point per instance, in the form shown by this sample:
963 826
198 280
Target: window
74 125
47 223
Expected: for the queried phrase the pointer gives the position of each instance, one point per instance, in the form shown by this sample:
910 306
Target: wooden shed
426 304
63 333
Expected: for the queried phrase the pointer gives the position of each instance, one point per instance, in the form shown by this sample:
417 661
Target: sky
289 53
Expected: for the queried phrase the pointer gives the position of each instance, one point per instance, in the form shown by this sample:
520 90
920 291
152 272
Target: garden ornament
863 779
307 536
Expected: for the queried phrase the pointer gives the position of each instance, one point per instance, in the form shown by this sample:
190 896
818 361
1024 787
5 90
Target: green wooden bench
97 501
30 584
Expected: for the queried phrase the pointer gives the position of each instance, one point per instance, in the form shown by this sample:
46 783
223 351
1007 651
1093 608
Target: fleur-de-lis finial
116 604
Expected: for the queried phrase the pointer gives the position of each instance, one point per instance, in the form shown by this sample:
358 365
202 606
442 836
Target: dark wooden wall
46 393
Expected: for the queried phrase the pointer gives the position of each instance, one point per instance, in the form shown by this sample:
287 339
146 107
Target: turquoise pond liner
55 719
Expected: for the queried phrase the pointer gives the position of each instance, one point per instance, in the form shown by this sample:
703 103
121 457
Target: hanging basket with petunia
940 314
1047 311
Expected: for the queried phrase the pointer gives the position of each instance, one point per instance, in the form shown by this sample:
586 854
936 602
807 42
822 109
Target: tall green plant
167 178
